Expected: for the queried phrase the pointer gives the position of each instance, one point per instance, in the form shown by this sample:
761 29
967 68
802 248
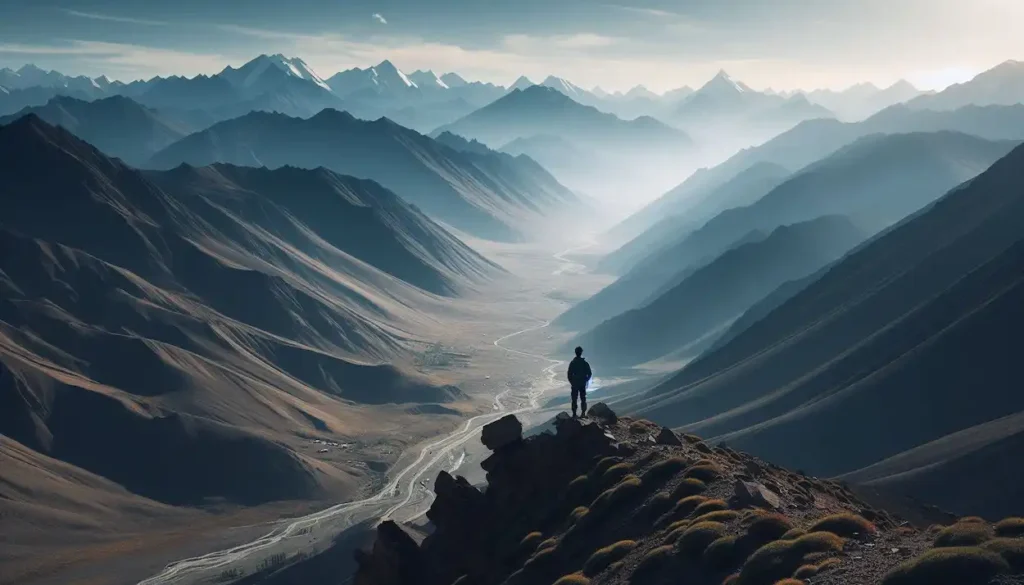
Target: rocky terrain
611 500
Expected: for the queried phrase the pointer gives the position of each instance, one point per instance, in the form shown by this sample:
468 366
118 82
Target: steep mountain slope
491 196
214 316
543 110
814 140
619 501
719 292
1001 85
922 317
876 182
690 204
116 125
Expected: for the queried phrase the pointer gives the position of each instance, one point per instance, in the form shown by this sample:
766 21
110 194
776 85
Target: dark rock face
667 437
394 560
502 432
474 528
750 494
601 412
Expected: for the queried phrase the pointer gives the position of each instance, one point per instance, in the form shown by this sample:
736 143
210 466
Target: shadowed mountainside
116 125
923 319
488 195
717 293
179 333
875 182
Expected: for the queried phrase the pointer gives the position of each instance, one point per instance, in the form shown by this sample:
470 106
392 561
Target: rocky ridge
612 500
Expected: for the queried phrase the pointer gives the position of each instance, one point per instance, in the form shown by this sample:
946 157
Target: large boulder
504 431
394 560
754 495
602 413
667 437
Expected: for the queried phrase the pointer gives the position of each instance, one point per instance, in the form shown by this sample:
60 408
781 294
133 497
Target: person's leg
583 401
575 393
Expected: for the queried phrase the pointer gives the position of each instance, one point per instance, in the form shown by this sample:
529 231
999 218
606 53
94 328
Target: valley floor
492 344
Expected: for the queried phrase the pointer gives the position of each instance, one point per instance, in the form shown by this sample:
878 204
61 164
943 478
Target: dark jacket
579 371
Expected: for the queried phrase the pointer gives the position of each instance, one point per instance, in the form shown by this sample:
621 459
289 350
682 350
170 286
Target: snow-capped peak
387 68
562 85
723 83
248 74
453 80
427 79
522 83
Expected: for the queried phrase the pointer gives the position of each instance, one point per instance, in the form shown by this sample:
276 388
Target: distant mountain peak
723 83
386 69
522 83
427 79
453 80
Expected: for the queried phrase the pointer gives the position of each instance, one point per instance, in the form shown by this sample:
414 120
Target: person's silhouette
579 374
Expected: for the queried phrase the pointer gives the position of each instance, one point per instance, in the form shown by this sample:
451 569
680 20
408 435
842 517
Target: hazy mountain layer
493 196
912 320
719 292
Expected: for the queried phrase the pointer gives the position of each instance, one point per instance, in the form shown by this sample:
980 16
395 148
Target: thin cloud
112 18
377 16
652 12
124 60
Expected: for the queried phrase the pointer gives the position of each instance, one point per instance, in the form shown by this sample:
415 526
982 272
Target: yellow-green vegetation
617 471
976 519
578 490
710 506
625 489
579 512
806 572
731 579
780 559
603 557
529 542
604 464
963 534
653 561
682 509
1011 549
828 564
688 487
692 438
705 473
664 470
789 581
548 543
1010 527
573 579
935 528
660 503
767 526
579 482
698 537
793 533
948 566
721 553
702 447
722 516
543 556
845 525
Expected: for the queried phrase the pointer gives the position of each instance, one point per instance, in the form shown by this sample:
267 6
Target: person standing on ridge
579 376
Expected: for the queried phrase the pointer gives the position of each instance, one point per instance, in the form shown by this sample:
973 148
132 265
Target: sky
661 44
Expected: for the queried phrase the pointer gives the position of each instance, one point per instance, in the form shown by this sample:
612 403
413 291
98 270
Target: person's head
579 351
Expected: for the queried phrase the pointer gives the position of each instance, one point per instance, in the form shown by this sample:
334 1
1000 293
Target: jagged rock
667 437
752 494
395 559
502 432
565 425
753 468
601 412
457 501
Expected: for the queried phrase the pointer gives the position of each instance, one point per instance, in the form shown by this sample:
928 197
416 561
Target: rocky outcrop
629 503
504 431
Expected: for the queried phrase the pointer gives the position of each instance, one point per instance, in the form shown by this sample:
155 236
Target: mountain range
909 320
490 195
876 181
214 315
718 292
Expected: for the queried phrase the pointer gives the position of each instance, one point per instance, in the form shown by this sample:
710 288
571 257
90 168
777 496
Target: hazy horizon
782 44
